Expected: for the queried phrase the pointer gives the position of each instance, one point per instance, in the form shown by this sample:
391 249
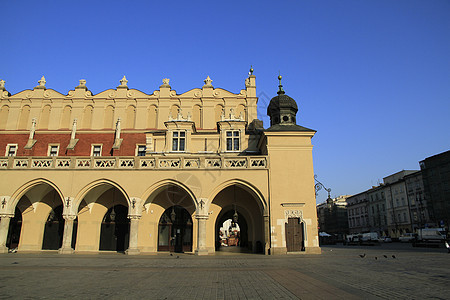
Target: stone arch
40 205
237 197
4 112
246 186
87 188
21 191
241 109
163 183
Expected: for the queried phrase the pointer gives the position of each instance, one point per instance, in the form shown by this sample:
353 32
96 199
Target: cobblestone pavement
339 273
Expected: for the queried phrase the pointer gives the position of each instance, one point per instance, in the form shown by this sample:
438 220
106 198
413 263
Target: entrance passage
232 232
115 230
294 235
175 230
54 229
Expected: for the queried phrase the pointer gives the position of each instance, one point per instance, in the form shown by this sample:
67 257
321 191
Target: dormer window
53 150
140 150
96 150
233 140
179 141
11 150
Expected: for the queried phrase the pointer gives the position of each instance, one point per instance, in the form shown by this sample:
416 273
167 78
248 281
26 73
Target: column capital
69 217
6 215
134 217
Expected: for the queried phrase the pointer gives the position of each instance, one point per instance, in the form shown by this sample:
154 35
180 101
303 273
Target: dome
280 102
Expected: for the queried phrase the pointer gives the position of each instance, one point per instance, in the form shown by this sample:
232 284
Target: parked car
385 239
407 238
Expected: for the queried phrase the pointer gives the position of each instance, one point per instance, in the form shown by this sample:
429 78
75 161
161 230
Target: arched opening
242 207
24 117
152 117
103 223
54 229
115 231
65 117
45 117
175 230
109 117
4 116
38 223
131 117
168 220
15 226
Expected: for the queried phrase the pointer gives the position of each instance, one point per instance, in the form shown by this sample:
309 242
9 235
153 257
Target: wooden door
294 235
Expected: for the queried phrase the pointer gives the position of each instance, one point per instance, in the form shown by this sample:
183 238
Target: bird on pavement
362 255
385 256
393 256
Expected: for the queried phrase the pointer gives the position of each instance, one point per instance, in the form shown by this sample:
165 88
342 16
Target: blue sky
372 77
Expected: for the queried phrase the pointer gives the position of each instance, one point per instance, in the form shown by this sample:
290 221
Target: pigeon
178 256
362 255
171 254
385 256
393 256
376 258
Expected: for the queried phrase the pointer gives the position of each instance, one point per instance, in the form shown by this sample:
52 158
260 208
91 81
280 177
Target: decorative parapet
134 162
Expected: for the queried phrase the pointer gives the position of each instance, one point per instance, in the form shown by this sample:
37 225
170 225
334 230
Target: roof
291 127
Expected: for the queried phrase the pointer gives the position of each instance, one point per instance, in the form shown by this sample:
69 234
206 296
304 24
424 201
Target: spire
251 70
280 86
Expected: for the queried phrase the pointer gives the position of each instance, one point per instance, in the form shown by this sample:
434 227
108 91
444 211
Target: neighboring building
377 210
436 181
398 210
417 202
358 213
123 170
332 216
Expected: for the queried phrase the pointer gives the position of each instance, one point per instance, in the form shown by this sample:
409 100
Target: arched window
4 116
24 116
45 117
218 112
152 118
174 111
65 118
109 117
197 116
87 117
131 117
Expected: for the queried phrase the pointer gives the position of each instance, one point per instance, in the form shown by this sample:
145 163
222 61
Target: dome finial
280 86
251 70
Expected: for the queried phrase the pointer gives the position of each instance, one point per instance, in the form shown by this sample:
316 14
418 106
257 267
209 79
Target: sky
372 77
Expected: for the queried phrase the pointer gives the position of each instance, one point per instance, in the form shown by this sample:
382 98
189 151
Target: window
140 150
53 150
233 140
179 141
96 150
11 150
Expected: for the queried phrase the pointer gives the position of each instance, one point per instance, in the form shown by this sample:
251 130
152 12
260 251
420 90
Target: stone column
66 247
133 244
4 227
266 235
201 238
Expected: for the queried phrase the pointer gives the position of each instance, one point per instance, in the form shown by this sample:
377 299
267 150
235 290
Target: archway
175 230
37 223
168 219
232 230
237 203
102 219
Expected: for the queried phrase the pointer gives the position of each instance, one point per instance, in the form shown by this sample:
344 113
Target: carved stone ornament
2 84
198 94
208 82
124 81
166 81
42 81
293 213
82 83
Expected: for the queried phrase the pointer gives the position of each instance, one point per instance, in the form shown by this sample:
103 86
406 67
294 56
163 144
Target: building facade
417 201
436 181
123 170
358 213
332 216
